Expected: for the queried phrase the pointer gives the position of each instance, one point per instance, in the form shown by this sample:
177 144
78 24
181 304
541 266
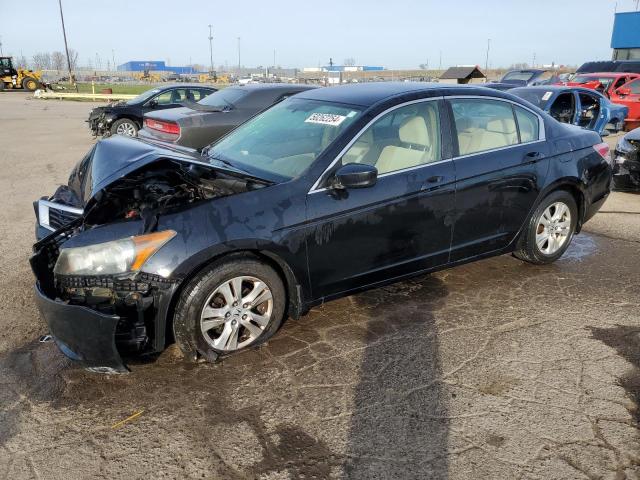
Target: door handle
435 179
431 183
532 156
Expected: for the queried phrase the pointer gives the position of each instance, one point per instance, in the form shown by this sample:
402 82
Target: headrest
414 131
504 125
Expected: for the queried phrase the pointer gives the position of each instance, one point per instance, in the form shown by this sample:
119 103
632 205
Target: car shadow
399 426
626 341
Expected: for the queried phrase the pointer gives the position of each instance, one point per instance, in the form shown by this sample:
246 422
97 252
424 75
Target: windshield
589 78
282 142
225 98
143 96
539 98
518 76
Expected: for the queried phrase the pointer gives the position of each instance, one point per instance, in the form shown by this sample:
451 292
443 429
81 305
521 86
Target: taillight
604 151
161 126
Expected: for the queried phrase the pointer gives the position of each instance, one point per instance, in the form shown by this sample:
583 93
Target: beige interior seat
360 148
498 133
414 133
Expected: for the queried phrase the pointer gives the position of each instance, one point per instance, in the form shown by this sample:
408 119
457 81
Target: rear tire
212 318
550 229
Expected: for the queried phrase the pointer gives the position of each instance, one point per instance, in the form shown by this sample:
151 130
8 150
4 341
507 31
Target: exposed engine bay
159 187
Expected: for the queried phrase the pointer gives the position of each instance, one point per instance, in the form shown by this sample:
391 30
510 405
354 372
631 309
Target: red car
629 96
605 83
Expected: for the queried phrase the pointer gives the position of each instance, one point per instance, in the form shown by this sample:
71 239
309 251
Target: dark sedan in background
125 118
524 78
197 125
327 193
626 166
578 106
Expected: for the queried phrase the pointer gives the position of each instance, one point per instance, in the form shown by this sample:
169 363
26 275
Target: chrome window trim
315 188
43 212
541 136
541 130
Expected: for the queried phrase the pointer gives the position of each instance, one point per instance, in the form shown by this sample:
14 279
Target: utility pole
113 57
440 62
66 47
274 58
211 50
239 56
1 54
533 62
486 63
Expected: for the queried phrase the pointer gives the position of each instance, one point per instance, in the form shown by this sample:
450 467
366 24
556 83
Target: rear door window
483 125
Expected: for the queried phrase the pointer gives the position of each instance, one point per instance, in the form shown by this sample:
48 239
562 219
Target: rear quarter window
528 125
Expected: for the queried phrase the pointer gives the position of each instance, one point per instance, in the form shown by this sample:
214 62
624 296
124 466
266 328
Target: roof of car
556 89
369 93
182 85
606 74
274 86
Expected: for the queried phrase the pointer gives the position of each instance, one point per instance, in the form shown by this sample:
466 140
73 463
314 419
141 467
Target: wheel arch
575 188
294 308
126 116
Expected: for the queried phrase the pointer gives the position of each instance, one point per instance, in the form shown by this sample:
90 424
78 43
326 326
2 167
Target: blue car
577 106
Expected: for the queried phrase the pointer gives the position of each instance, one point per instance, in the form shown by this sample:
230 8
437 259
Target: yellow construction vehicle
11 77
210 77
147 76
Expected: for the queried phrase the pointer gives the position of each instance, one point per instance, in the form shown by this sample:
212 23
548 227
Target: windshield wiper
233 168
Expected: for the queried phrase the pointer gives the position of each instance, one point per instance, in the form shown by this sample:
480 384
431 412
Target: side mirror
623 91
153 103
354 175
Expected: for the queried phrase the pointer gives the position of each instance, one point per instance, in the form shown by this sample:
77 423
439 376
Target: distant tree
21 62
349 62
196 67
73 58
58 61
424 66
42 61
519 66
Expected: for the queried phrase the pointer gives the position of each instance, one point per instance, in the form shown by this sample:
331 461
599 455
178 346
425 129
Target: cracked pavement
496 369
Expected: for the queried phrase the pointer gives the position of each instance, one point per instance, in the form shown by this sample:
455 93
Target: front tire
549 230
124 126
30 84
231 305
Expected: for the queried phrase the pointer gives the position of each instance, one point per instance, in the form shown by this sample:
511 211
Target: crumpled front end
95 320
626 163
100 122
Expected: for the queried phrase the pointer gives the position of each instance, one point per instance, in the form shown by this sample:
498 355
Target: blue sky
395 34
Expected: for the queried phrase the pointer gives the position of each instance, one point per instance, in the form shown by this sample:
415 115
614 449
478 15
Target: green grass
116 87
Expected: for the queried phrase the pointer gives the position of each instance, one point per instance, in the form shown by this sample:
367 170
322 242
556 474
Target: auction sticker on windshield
326 119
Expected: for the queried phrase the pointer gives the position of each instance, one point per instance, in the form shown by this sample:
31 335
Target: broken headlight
110 258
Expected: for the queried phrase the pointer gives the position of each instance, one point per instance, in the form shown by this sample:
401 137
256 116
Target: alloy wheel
126 128
236 313
554 228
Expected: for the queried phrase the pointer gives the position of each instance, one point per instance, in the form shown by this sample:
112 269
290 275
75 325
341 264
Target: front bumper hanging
81 333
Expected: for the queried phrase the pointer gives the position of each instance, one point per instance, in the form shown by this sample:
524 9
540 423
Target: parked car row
617 87
328 192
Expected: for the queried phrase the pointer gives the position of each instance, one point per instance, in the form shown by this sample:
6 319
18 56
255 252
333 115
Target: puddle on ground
582 246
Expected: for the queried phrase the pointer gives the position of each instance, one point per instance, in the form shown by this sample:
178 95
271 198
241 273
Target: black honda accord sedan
327 193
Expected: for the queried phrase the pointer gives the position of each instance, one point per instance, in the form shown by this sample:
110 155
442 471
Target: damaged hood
118 156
